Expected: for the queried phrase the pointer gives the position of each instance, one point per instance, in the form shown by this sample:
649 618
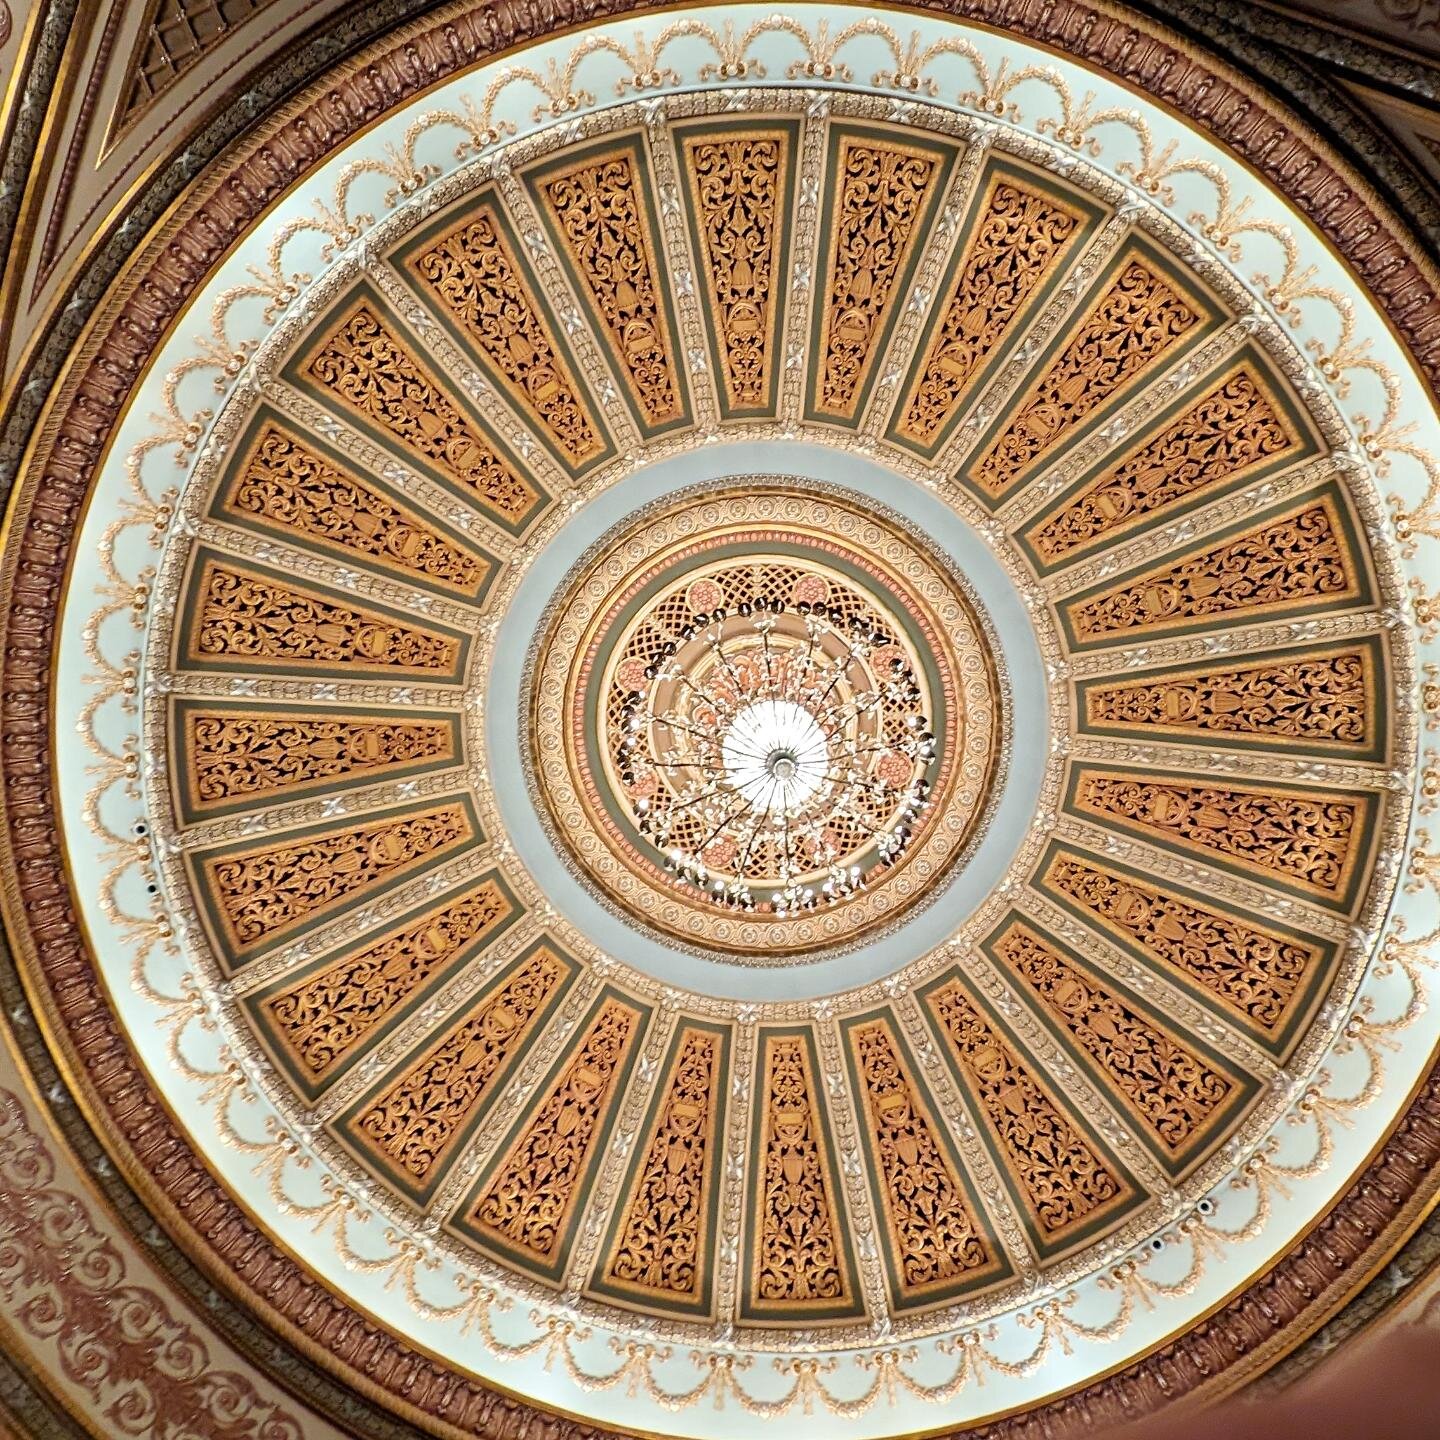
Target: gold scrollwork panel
1295 559
1022 232
1324 700
318 1023
1241 426
882 189
1140 316
1311 842
1064 1182
286 483
412 1126
1262 977
469 268
1179 1095
526 1208
236 615
799 1267
740 182
256 895
230 756
659 1251
938 1242
364 363
598 208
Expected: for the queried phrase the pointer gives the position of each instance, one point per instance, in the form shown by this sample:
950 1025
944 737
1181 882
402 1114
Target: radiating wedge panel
527 1205
412 1125
881 191
799 1267
938 1243
1311 841
365 364
1023 231
1297 558
235 755
1064 1182
1180 1095
659 1250
259 894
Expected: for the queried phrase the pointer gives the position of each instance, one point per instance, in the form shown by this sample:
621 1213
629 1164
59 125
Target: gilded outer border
1250 1332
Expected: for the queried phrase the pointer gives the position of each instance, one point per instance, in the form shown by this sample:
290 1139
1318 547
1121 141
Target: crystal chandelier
776 752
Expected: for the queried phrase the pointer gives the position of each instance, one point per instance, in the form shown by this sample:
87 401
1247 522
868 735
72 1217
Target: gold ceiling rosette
753 718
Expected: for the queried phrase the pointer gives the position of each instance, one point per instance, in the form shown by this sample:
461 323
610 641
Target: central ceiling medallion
765 719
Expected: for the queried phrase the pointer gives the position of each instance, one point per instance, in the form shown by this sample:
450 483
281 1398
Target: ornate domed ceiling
735 720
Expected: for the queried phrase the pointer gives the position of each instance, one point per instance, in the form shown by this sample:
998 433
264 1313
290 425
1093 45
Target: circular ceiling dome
754 706
764 719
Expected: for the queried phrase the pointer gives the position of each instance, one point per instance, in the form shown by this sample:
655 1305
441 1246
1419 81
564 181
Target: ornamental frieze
1177 1092
240 616
600 216
1297 558
798 1262
319 1022
882 192
660 1248
1023 233
1142 315
741 186
366 366
938 1241
469 268
1065 1182
1236 429
410 1128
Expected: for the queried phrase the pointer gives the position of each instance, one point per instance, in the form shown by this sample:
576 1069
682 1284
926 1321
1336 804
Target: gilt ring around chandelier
764 718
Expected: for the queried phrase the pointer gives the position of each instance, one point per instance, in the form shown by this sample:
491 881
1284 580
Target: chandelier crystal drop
776 753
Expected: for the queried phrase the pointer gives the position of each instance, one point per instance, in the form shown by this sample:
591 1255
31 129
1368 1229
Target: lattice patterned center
776 747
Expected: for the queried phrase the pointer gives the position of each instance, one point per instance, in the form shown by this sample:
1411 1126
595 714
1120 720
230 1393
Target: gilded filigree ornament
526 1207
413 1124
662 1248
240 757
1254 971
1064 1180
1323 700
243 617
263 892
936 1234
371 371
1309 838
1228 432
324 1018
1022 236
1131 326
799 1262
285 485
883 191
602 220
1174 1092
1297 559
473 273
739 183
605 1195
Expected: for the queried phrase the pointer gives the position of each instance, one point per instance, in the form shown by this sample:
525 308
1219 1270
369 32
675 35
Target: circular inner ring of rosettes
764 722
